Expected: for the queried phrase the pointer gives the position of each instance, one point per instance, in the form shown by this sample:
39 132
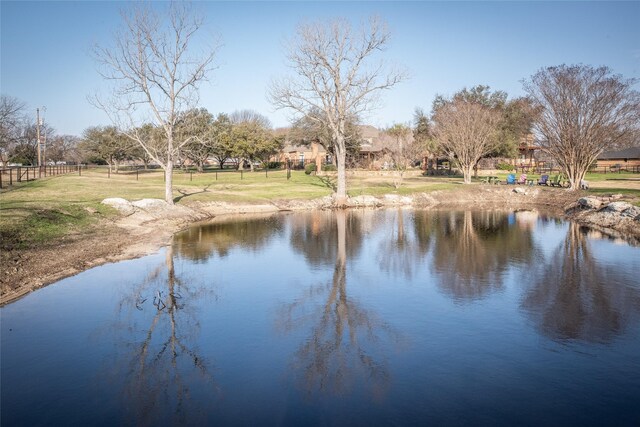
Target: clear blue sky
445 46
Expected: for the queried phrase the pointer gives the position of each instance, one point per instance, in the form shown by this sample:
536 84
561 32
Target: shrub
274 165
329 168
504 166
311 167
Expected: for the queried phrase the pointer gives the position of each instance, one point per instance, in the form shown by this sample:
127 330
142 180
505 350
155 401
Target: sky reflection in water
357 317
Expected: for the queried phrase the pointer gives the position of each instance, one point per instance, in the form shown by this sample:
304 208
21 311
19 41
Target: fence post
190 176
136 174
109 172
10 177
241 178
216 175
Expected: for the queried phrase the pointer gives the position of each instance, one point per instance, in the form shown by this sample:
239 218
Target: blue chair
543 180
511 179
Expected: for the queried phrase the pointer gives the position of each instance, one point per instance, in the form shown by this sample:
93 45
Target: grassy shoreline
38 212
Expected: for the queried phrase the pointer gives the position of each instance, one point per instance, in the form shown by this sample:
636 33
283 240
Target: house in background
628 159
373 146
300 155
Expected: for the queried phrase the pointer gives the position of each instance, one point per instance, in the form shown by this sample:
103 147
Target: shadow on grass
327 182
186 194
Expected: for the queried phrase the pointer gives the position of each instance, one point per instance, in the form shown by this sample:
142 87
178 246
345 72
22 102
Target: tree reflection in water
342 353
400 251
164 363
574 297
223 234
472 250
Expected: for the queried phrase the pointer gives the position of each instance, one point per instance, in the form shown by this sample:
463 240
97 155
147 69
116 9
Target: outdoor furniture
522 180
559 181
543 180
511 179
490 180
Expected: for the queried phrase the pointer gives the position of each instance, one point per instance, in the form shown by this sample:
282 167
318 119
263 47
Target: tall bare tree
12 117
333 73
466 131
155 67
584 111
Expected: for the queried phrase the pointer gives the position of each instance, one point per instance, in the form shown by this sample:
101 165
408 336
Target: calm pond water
385 317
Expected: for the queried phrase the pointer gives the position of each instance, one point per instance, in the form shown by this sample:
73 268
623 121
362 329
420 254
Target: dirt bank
145 226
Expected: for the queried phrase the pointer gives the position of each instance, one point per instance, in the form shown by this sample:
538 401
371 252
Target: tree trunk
466 172
168 178
575 176
341 191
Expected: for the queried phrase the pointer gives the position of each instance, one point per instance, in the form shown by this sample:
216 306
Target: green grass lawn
37 211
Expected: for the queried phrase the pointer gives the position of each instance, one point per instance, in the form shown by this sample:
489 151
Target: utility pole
38 135
44 147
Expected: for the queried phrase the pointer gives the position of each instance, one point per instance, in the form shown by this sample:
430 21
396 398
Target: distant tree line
18 137
242 137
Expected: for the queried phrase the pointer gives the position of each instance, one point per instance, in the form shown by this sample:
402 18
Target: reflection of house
526 219
621 159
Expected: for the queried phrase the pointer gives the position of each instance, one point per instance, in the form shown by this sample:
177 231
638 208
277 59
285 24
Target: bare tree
334 74
402 150
154 66
63 148
12 117
584 111
466 132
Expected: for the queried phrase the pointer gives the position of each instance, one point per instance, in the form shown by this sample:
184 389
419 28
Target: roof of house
629 153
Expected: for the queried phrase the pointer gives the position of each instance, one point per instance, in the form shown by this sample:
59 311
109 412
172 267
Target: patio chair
543 180
522 180
558 181
511 179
